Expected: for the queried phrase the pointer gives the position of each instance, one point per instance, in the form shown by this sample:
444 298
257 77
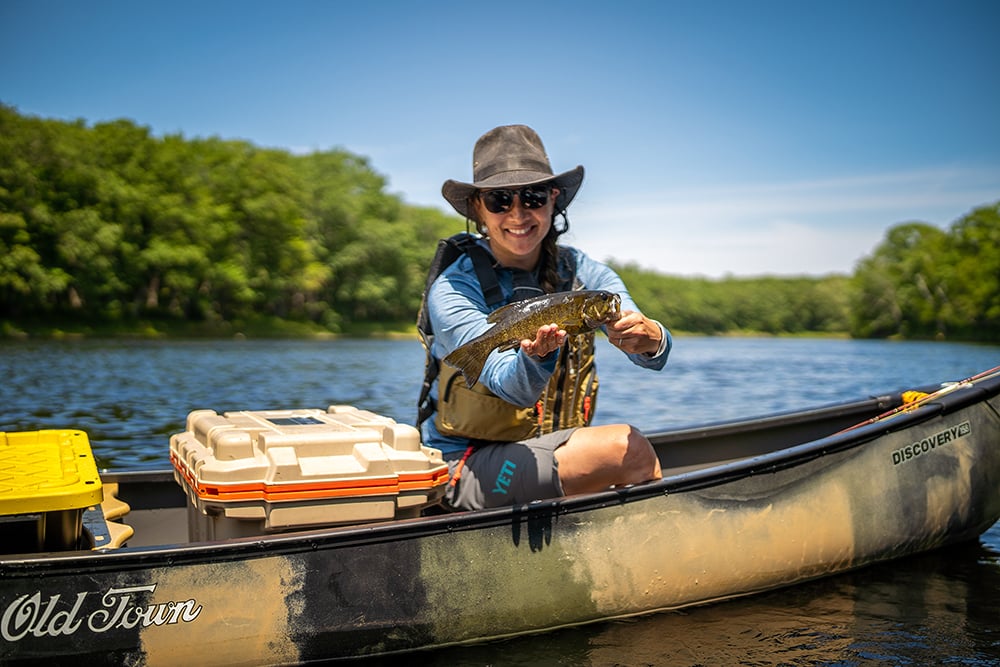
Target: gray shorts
508 473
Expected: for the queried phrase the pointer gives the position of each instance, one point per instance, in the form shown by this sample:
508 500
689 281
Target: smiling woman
519 428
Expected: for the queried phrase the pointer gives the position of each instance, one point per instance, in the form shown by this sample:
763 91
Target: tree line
108 228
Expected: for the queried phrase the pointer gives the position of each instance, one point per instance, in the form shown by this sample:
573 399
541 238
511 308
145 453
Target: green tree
112 225
974 274
901 289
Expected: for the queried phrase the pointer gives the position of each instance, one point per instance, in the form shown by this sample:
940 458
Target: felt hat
511 156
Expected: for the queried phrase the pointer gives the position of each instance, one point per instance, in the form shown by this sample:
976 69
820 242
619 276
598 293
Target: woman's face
516 234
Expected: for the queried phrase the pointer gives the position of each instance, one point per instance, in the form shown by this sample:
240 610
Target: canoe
744 506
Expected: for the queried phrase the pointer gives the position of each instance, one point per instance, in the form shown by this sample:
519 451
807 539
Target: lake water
942 607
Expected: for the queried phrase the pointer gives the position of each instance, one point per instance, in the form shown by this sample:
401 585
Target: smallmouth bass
575 312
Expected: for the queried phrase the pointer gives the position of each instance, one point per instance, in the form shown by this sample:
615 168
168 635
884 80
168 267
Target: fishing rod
914 399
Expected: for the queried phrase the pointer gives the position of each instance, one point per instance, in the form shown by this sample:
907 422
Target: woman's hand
548 339
635 333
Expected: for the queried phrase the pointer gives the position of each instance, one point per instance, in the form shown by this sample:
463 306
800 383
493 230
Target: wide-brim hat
511 156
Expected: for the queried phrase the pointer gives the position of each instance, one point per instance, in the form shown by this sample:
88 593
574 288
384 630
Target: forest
106 229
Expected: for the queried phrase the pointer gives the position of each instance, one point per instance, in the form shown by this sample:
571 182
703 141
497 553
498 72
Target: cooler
253 472
48 479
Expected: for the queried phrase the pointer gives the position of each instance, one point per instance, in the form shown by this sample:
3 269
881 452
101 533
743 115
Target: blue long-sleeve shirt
458 311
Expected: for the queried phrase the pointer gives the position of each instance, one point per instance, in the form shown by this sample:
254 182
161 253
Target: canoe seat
100 521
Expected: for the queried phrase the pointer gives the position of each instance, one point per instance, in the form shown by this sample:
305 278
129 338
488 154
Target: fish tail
469 361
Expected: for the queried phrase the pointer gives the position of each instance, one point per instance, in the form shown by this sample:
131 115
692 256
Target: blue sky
719 137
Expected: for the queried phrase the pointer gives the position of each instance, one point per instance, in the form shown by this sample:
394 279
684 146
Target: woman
522 433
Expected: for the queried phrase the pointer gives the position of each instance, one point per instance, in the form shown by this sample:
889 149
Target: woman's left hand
635 333
548 339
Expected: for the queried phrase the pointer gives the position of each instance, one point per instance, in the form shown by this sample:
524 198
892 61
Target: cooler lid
46 471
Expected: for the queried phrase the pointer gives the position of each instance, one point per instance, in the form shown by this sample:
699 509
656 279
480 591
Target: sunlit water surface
938 608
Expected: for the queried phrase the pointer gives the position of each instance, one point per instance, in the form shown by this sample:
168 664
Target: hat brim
568 182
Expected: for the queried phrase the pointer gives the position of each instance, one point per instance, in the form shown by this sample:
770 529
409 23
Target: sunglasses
501 201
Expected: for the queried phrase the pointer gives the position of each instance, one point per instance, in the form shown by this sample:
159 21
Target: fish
575 312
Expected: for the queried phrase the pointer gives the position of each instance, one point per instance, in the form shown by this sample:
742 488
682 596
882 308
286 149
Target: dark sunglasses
501 201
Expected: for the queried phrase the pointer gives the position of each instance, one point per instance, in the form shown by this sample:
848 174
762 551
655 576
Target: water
937 608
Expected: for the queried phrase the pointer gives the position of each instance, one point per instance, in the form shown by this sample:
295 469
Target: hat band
517 164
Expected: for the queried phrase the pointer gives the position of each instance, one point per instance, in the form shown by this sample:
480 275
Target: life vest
476 413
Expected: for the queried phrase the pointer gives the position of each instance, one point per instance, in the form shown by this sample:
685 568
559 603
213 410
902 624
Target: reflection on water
936 608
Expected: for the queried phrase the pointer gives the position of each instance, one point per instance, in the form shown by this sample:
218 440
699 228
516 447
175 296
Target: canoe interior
691 457
158 506
687 449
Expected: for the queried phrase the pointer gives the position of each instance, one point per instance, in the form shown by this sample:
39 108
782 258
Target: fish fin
503 312
469 360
